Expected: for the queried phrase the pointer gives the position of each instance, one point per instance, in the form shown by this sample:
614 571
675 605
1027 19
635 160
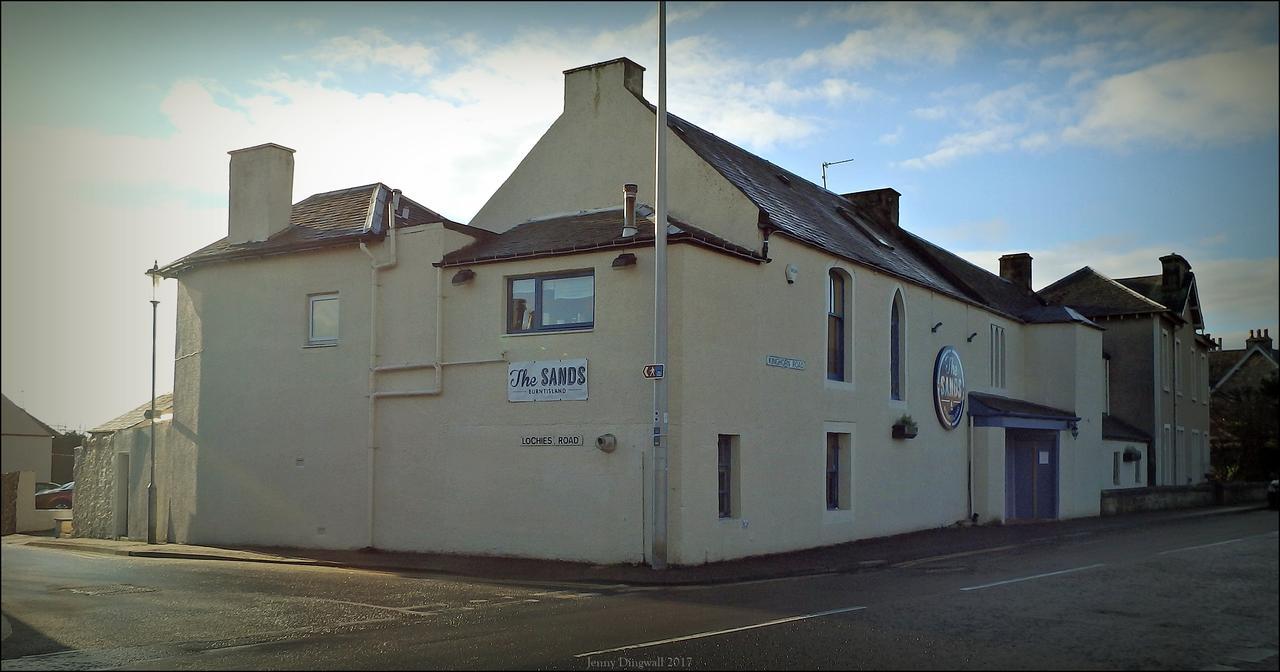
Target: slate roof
794 206
1115 429
1095 295
1151 287
588 230
1224 362
339 217
164 404
988 405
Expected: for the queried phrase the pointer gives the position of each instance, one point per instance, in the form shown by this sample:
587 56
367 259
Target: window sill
837 516
841 385
898 403
550 333
309 346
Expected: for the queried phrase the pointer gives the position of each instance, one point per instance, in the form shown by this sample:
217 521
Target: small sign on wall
547 380
784 362
551 440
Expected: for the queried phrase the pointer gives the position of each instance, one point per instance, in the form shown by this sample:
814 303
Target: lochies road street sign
653 371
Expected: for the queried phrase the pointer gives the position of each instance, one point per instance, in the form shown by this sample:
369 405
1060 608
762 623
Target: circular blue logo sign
948 387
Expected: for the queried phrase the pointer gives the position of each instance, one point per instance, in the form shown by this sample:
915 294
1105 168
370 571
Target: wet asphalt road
1193 594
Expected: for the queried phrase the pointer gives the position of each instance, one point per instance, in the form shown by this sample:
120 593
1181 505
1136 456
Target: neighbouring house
356 370
113 468
1155 363
28 443
1245 409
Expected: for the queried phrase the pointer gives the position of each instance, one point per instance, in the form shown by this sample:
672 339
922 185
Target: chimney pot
1016 268
260 195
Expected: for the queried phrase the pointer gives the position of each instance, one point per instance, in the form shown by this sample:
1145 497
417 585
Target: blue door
1031 475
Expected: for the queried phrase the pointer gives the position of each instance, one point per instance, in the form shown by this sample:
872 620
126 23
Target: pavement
902 550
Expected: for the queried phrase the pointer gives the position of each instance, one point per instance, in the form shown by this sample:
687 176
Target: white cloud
891 138
952 147
371 46
864 48
1221 97
930 113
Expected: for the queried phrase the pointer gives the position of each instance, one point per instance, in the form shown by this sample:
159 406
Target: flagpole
661 419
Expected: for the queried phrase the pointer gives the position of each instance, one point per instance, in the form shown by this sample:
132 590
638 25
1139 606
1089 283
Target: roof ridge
1121 285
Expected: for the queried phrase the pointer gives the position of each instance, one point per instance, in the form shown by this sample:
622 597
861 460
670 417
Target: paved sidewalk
850 557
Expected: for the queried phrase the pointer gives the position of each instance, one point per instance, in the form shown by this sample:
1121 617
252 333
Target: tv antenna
824 169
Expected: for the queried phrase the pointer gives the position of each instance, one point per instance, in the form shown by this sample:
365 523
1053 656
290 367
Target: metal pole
151 487
661 420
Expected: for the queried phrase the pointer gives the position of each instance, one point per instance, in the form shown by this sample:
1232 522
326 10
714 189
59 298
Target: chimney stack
1016 268
586 87
881 203
260 198
629 210
1174 270
1260 337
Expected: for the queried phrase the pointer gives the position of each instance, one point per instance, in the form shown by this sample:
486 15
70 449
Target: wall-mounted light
463 277
935 327
1075 430
791 273
624 260
971 337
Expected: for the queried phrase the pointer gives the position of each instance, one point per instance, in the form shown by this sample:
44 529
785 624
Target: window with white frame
727 475
998 375
1177 365
1204 379
837 338
322 319
838 472
897 330
551 302
1106 384
1179 456
1115 467
1166 366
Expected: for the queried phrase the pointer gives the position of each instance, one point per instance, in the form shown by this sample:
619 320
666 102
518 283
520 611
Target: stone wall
95 488
1181 497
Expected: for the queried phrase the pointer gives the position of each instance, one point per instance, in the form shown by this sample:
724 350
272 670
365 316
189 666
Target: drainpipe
374 268
972 515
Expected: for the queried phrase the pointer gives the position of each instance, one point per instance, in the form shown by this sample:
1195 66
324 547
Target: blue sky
1103 135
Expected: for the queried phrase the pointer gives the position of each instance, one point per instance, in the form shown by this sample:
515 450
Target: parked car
58 498
41 486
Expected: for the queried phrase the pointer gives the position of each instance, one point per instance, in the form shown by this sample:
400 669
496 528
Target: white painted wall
1130 476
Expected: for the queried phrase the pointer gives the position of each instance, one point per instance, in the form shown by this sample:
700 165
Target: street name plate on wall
547 380
784 362
552 440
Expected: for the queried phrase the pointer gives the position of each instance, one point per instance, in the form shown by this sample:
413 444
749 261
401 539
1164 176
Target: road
1198 593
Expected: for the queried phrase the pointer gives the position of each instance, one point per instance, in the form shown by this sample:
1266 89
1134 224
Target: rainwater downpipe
972 517
374 268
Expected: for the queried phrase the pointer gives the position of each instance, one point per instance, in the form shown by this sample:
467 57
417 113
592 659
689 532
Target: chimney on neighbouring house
261 194
1261 337
1016 268
584 86
629 210
1174 271
881 203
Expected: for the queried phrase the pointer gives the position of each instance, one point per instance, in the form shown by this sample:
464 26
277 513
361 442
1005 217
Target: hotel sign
547 380
948 387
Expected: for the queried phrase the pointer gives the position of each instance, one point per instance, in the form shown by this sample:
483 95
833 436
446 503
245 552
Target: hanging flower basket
905 428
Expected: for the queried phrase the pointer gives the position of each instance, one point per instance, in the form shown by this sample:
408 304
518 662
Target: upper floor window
837 368
896 320
997 357
1177 365
1166 362
553 302
322 319
1204 379
1106 385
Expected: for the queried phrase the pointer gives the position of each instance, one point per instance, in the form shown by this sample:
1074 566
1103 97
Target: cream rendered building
357 371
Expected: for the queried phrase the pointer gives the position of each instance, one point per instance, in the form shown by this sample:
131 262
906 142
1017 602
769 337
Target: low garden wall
1133 500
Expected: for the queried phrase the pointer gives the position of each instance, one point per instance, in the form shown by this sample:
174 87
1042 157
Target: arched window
895 347
836 292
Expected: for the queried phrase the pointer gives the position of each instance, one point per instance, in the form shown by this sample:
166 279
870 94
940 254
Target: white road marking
1192 548
1037 576
715 633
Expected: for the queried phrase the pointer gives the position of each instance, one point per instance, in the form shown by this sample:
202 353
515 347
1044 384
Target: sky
1104 135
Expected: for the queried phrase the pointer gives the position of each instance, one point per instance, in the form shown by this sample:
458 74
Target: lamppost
154 272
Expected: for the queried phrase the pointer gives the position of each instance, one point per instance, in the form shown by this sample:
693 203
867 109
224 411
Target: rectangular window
1204 379
1164 475
322 319
1137 472
727 474
1194 383
834 500
835 326
1166 367
1115 468
998 376
1177 365
1179 463
557 302
1106 385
